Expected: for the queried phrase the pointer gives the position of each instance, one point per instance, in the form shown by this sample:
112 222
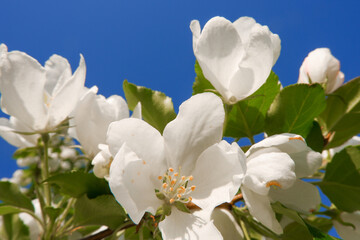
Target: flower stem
243 227
45 169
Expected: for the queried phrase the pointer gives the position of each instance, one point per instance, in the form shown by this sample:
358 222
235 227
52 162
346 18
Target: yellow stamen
183 178
171 169
179 195
176 174
193 188
171 189
164 185
273 183
143 162
191 178
171 200
190 199
173 182
297 138
159 177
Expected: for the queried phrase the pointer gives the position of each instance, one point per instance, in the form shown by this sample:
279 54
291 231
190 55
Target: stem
227 112
45 169
252 140
243 227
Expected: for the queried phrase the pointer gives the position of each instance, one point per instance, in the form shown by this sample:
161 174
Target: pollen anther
273 183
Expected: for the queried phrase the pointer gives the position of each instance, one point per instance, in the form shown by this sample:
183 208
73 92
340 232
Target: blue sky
149 42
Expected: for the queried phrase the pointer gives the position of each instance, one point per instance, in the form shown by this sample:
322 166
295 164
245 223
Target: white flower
235 57
227 225
273 168
354 141
348 232
187 163
321 67
40 98
92 117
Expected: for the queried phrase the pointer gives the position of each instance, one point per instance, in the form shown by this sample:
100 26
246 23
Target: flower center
176 187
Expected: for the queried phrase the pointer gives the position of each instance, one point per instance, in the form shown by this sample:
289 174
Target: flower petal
132 184
255 65
301 196
22 81
218 50
180 225
197 126
306 160
217 175
102 162
225 222
66 96
142 138
269 169
58 70
260 208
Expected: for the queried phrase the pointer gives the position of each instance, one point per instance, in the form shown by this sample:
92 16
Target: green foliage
13 228
247 117
133 234
53 213
315 139
201 84
157 108
4 209
342 180
294 109
10 194
342 114
102 210
75 184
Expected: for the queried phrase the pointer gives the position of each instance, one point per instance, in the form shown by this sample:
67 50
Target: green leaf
324 224
157 108
78 183
10 194
296 231
341 118
279 208
53 213
102 210
247 117
132 234
14 228
201 84
9 210
294 109
26 152
341 183
315 139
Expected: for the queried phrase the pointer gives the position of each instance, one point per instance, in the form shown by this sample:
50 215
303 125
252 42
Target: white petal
22 83
219 51
137 113
180 225
336 83
196 30
102 162
7 132
58 70
142 138
93 116
225 222
217 175
197 126
306 160
255 66
260 208
66 96
132 184
269 169
302 196
348 232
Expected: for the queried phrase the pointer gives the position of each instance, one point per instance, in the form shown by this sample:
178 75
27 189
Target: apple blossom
188 163
273 168
235 57
40 98
320 66
348 232
92 117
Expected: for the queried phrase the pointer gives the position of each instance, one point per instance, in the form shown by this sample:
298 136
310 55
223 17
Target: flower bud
320 66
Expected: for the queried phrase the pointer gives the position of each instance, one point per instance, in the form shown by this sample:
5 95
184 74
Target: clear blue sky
149 42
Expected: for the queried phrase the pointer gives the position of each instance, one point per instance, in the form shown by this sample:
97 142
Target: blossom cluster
163 175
